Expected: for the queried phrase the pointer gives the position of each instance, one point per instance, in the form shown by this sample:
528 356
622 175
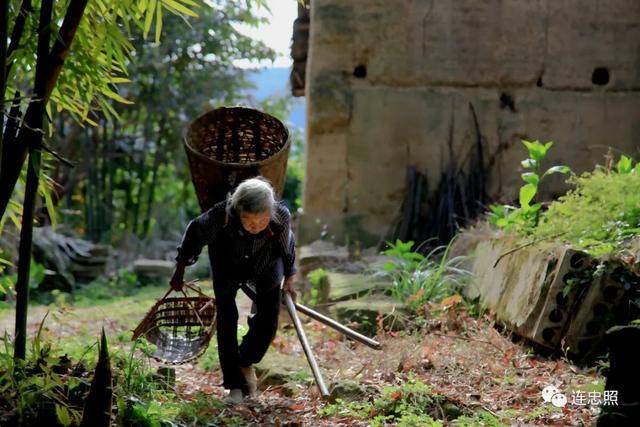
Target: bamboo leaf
148 18
158 22
113 95
173 4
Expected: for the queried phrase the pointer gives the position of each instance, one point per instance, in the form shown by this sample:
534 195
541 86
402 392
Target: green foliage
480 419
418 278
292 194
318 293
317 276
526 216
601 214
33 389
106 288
203 410
138 183
100 52
36 276
410 404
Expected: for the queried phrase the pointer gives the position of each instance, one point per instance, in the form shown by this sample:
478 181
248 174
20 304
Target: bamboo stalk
55 61
31 188
4 11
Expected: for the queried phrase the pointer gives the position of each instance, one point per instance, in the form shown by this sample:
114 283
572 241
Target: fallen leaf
450 301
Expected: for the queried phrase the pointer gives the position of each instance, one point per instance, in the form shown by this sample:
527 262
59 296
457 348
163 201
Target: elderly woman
251 246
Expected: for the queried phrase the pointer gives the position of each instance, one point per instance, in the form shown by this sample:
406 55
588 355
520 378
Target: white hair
253 195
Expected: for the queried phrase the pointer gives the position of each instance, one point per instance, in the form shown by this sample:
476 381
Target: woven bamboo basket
180 327
228 145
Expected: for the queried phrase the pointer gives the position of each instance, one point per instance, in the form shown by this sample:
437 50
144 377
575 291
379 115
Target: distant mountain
275 81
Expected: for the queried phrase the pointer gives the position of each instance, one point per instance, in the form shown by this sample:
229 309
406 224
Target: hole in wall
555 316
600 76
548 334
507 101
577 261
593 327
561 299
609 293
360 71
600 310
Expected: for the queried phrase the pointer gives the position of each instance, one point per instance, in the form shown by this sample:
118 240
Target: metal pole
305 345
338 327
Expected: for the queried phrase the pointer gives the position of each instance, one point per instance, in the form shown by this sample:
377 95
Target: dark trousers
263 323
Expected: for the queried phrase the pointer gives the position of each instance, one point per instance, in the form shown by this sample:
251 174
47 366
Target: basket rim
274 157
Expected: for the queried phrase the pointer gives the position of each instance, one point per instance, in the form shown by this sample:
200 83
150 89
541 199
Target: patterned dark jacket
235 251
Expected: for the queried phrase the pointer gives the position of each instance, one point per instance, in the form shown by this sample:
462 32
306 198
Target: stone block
153 268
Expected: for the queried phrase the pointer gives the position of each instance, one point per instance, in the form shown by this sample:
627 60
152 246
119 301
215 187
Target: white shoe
249 373
234 397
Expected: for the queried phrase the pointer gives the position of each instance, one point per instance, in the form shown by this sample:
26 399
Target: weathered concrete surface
550 293
425 62
365 312
514 286
342 286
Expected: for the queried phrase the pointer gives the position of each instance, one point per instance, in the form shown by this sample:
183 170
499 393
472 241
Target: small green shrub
410 404
600 215
418 278
522 219
480 419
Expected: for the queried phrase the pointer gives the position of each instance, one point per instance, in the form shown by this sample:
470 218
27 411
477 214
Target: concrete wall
527 66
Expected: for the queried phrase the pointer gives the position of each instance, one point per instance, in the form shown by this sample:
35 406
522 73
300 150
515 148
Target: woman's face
254 223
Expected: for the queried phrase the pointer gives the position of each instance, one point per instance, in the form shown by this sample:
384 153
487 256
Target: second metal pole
338 327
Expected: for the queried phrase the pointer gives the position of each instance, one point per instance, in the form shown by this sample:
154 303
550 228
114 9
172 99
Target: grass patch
411 404
479 419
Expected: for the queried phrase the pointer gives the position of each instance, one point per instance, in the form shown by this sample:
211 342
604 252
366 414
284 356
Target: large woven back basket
180 326
228 145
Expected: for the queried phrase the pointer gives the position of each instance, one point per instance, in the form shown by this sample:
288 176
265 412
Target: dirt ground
463 358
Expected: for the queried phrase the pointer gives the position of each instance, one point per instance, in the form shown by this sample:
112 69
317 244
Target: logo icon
551 394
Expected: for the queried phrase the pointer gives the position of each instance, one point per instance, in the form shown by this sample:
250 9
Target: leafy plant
601 214
526 216
418 278
319 291
410 404
36 276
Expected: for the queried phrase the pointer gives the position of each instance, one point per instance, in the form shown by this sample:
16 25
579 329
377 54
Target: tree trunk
18 152
33 173
4 11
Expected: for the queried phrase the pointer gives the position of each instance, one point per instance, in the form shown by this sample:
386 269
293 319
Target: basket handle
192 285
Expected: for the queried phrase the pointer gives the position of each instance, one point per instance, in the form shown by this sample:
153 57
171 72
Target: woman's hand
177 280
289 288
